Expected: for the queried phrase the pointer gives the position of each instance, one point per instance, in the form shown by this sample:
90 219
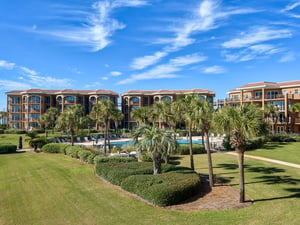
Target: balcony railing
278 96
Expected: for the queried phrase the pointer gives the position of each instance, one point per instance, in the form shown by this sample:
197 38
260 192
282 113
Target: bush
104 159
3 126
184 149
146 158
7 148
54 148
15 132
254 144
90 158
73 151
1 131
280 138
163 189
83 155
38 143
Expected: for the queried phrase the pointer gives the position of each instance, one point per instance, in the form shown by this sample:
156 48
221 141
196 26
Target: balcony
232 100
297 121
278 96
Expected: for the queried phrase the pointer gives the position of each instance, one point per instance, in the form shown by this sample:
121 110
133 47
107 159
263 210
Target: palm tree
295 109
141 115
205 115
117 117
71 119
271 114
103 113
241 123
185 108
158 142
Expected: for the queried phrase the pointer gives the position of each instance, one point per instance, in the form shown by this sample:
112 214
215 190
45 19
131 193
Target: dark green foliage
183 149
90 158
164 189
146 158
15 132
73 151
254 144
40 131
1 131
20 142
104 159
38 143
3 126
83 155
280 138
226 143
7 148
54 148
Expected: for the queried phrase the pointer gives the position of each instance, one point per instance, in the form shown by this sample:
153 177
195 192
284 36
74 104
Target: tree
185 109
162 112
48 119
295 109
141 115
205 113
71 119
241 123
271 113
156 141
117 117
103 113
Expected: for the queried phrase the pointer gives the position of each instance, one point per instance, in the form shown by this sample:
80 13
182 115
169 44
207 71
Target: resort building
282 95
134 99
25 107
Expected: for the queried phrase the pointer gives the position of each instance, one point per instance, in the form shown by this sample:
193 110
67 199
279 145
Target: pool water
179 141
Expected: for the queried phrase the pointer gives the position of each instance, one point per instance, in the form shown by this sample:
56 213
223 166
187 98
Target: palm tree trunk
210 168
156 158
72 137
241 174
191 149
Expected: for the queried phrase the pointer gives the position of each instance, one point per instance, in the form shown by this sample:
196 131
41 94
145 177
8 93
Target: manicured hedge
15 131
104 159
280 138
83 155
184 149
54 148
73 151
7 148
163 189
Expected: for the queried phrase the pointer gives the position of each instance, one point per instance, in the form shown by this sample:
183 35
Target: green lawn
14 139
289 152
55 189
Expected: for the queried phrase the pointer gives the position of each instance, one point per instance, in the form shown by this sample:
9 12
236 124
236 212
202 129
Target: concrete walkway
268 160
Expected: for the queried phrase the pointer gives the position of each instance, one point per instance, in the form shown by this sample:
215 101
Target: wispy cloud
291 6
207 16
28 71
252 52
257 35
166 70
13 85
6 65
96 30
288 57
214 69
115 73
93 85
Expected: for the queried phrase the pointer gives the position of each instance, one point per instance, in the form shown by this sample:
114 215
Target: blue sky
122 45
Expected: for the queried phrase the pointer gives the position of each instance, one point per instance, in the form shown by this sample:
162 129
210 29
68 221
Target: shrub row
7 148
54 148
163 189
184 149
15 131
103 159
250 144
280 138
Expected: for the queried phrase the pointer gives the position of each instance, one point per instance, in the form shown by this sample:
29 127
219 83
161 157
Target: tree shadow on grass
175 160
295 193
265 170
273 145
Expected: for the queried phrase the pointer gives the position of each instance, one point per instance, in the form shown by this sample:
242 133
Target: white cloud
98 26
288 57
291 6
145 61
115 73
93 85
6 65
165 70
104 78
13 85
28 71
256 35
214 69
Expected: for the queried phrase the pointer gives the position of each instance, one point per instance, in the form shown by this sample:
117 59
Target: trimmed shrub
54 148
15 131
280 138
38 143
7 148
254 144
146 158
90 158
83 155
104 159
73 151
1 131
163 189
3 126
184 149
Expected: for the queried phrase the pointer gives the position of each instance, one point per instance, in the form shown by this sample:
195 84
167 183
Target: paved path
268 160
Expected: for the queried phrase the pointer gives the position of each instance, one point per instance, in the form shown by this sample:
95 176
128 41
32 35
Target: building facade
135 99
282 95
25 107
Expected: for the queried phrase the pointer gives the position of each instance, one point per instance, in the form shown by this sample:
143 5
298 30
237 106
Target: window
209 99
15 100
15 117
80 100
235 97
145 101
47 100
272 94
16 108
34 108
278 104
284 92
296 91
246 96
134 100
258 94
166 98
70 99
93 99
34 99
202 97
15 125
103 98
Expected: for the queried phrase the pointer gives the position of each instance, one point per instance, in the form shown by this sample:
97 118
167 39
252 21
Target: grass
289 152
14 139
55 189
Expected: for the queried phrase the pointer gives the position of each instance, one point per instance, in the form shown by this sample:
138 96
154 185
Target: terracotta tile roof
63 91
166 91
289 83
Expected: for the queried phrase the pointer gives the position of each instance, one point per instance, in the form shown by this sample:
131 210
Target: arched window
59 99
156 99
134 100
93 99
69 99
166 98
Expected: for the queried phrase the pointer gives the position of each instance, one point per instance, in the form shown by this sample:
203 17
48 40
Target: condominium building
134 99
25 107
282 95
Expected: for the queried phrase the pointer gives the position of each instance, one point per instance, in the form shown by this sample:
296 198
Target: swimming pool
179 141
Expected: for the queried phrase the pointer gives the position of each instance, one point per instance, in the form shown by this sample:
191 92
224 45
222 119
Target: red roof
63 91
166 91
